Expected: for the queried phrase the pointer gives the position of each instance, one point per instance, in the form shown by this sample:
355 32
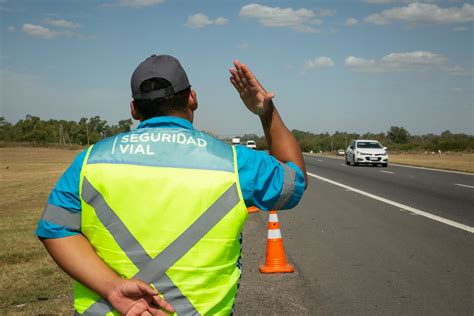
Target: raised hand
134 298
254 96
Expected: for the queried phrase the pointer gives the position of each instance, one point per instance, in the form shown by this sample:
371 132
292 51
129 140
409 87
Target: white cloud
140 3
39 31
61 23
318 63
423 13
411 61
220 21
352 21
42 32
200 20
11 29
460 29
299 20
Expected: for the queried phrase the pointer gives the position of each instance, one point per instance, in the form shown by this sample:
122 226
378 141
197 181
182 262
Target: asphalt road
356 255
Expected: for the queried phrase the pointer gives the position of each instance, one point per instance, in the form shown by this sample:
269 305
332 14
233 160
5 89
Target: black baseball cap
163 67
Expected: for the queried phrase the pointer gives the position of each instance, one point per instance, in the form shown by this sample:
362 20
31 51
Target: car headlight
385 153
359 153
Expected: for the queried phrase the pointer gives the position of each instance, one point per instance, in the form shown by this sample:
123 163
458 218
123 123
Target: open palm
254 96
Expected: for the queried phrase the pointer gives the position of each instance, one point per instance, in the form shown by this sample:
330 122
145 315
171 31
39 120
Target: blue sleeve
266 183
63 203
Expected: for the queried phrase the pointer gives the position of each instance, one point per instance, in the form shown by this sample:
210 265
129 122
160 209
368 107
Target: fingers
156 299
163 304
240 71
236 80
236 86
145 288
157 312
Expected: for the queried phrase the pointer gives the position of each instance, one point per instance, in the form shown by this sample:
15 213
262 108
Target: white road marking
320 160
399 205
343 164
464 185
390 172
407 166
432 169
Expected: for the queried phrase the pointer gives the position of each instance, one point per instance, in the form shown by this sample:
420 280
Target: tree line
35 130
86 131
396 138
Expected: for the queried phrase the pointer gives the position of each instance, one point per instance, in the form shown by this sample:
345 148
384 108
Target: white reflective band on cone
274 234
273 218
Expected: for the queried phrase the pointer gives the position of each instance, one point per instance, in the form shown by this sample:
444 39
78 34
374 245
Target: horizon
261 134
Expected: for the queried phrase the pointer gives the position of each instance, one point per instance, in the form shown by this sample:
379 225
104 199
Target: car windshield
250 142
368 145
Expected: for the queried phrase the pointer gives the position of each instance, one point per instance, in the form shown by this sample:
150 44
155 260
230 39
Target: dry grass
448 161
30 282
463 162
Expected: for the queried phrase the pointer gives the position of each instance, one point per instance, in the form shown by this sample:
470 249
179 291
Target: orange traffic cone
253 209
275 261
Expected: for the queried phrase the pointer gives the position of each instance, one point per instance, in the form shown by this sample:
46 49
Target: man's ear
192 101
133 111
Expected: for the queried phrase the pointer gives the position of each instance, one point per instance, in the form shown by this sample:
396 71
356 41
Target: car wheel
385 165
347 162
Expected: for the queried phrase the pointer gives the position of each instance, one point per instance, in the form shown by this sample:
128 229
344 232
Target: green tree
398 135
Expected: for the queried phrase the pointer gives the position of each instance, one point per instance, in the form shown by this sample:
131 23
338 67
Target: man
149 221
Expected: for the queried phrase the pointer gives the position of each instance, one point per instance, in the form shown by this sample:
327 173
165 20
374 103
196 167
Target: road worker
149 221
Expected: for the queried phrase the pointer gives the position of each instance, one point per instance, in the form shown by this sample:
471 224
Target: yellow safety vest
164 206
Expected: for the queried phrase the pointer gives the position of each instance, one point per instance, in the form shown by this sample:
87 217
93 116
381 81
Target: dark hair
163 106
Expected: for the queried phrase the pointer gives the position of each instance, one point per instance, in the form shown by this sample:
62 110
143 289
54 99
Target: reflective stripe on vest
153 271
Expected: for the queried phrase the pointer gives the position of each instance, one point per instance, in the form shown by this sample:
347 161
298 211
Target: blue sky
359 66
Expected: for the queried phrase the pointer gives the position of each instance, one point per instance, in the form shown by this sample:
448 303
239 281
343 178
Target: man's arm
282 144
77 258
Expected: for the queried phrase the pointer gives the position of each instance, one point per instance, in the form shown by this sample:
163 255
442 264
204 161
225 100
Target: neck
182 115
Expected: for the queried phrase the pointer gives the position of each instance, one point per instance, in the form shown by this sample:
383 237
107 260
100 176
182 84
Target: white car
365 151
251 144
235 141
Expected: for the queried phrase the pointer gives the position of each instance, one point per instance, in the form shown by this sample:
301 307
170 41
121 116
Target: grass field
30 282
448 161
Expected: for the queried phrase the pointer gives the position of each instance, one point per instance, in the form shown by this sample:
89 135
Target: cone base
286 268
253 209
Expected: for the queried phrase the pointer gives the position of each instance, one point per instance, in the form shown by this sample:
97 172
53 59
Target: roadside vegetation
397 139
34 131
